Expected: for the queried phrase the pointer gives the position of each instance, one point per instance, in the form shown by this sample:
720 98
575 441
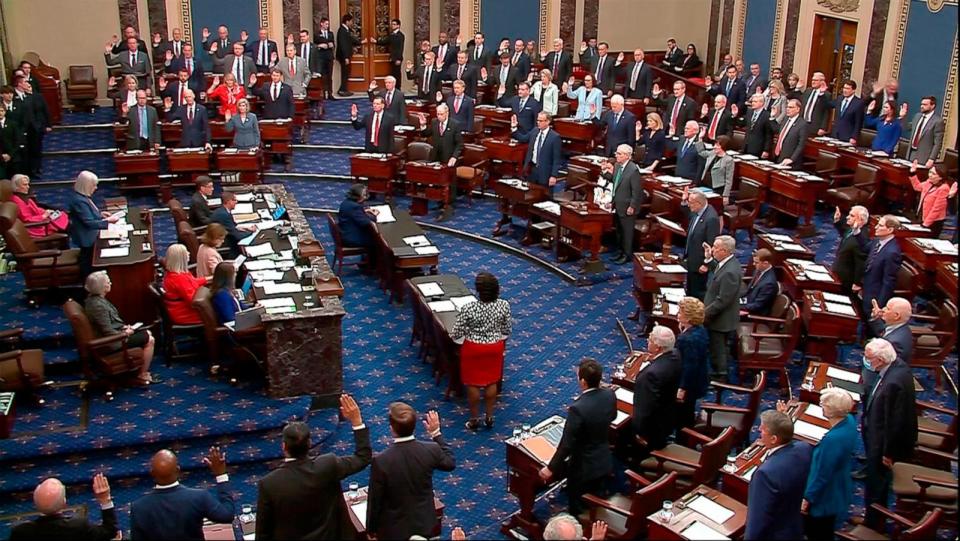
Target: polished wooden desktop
438 325
357 503
783 249
132 273
648 278
379 169
795 281
506 155
735 477
397 260
138 170
684 516
516 197
581 227
524 479
819 376
796 196
665 78
825 326
428 182
248 163
277 137
187 164
496 120
579 136
753 170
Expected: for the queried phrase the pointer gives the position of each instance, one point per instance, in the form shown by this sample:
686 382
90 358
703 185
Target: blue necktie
144 132
686 145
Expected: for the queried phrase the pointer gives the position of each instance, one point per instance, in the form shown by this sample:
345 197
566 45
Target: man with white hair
852 249
816 103
50 498
689 164
620 125
722 300
892 324
655 390
627 192
559 61
393 99
564 527
889 424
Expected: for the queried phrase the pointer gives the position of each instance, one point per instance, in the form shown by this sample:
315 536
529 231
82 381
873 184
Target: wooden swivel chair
742 213
693 467
472 171
626 514
932 343
904 528
44 270
340 251
768 344
862 191
21 370
180 342
224 344
716 416
82 87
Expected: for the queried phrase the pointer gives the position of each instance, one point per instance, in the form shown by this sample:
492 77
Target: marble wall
591 20
421 28
157 12
568 24
727 27
321 9
291 17
709 61
790 36
129 16
450 20
878 30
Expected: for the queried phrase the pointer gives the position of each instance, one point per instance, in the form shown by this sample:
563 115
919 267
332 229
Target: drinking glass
353 492
666 512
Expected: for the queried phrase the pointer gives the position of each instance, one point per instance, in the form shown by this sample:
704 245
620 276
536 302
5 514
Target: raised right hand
205 33
156 38
656 89
837 215
214 47
904 108
373 85
877 87
513 121
409 65
101 489
439 96
620 57
872 106
216 460
111 81
168 56
353 109
483 72
583 46
350 410
162 83
108 48
704 109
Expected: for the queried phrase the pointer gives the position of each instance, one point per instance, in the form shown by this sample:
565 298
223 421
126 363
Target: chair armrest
38 223
666 457
925 482
727 409
932 432
866 185
769 335
922 452
107 340
600 502
924 332
921 404
764 319
729 387
696 435
891 515
637 478
50 239
12 334
923 317
742 201
841 176
40 254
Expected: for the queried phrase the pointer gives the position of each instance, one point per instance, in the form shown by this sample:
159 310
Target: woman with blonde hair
546 92
245 126
229 93
208 257
653 139
179 286
776 101
693 345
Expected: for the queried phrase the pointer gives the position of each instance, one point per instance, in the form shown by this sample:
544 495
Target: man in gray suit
788 146
627 198
143 132
722 302
926 133
239 64
132 61
704 227
295 71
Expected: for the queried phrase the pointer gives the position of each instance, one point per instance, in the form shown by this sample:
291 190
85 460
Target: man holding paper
224 217
355 221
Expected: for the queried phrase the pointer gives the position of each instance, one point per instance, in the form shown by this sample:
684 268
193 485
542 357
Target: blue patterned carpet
555 325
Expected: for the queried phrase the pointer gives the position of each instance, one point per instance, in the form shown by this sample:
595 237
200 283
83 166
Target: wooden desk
926 255
666 78
755 170
249 163
137 170
131 274
827 323
438 325
733 527
800 412
219 136
648 279
315 90
946 279
783 249
524 480
796 196
795 279
517 196
579 136
170 133
589 162
428 182
581 227
397 260
496 120
735 477
187 165
359 523
506 155
378 169
819 376
277 137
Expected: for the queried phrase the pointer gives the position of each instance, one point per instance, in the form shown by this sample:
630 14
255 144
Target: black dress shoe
499 231
344 93
620 260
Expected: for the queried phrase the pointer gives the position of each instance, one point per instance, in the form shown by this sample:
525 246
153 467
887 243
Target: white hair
558 41
563 527
390 78
19 180
697 195
663 337
617 98
861 212
626 149
691 123
443 106
729 243
86 183
881 349
836 402
96 283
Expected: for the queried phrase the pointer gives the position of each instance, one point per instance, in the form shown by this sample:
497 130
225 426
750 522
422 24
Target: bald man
50 498
173 511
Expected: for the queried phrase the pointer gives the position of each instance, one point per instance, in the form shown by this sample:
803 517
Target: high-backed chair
933 432
222 343
472 171
578 182
107 360
82 87
737 140
21 370
762 350
950 163
908 282
626 514
866 138
693 467
56 241
340 251
6 190
905 529
827 164
933 342
862 191
175 338
742 213
44 270
418 151
188 237
716 417
649 232
918 488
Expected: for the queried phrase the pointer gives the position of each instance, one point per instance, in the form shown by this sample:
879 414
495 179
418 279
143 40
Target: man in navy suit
677 109
603 69
850 112
543 152
520 60
468 73
889 425
277 97
777 487
377 127
719 120
504 77
763 288
461 106
620 124
731 86
223 215
264 52
585 441
173 511
524 108
186 61
194 124
639 78
892 323
558 61
704 228
689 164
883 262
354 220
174 94
655 391
755 83
445 51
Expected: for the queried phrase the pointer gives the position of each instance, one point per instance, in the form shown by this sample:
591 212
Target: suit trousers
696 283
625 228
85 261
719 348
397 71
686 414
344 74
326 71
576 488
876 490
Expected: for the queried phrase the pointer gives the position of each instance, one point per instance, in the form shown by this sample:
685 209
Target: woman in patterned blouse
482 327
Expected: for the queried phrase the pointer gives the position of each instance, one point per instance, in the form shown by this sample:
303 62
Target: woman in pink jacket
55 221
934 193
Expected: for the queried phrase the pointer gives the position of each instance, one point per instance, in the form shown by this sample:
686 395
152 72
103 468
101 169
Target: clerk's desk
304 346
130 274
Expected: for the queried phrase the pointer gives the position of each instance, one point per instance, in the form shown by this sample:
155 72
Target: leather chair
950 163
175 338
866 138
223 343
579 184
340 251
418 151
21 371
863 191
932 433
827 164
626 514
908 281
743 212
476 134
737 140
693 467
907 530
44 270
6 190
188 237
107 360
917 487
934 342
769 343
59 241
472 171
648 230
82 87
716 417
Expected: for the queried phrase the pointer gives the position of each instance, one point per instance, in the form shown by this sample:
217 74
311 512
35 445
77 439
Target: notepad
122 251
792 247
833 297
427 250
621 417
700 531
416 240
360 511
845 375
384 214
818 276
282 309
843 309
669 224
671 268
809 430
266 275
274 288
815 411
430 289
710 509
258 250
540 448
442 306
460 302
748 475
624 395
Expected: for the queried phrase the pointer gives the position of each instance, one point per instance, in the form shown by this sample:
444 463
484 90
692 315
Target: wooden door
831 50
371 20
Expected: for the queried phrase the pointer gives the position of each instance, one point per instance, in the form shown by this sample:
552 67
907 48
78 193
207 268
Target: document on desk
673 294
122 251
843 309
943 246
360 511
672 269
700 531
416 240
430 289
384 214
669 224
791 247
833 297
815 411
243 208
809 430
277 303
710 509
266 275
748 475
540 448
779 237
624 395
246 197
258 250
427 250
621 417
442 306
818 276
274 288
460 302
260 264
845 375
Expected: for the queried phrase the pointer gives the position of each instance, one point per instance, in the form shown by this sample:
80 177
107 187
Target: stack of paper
122 251
549 206
430 289
417 240
679 269
442 306
943 246
277 303
833 297
274 288
699 530
259 250
845 375
673 294
843 309
809 430
710 509
460 302
780 238
427 250
624 395
384 214
815 411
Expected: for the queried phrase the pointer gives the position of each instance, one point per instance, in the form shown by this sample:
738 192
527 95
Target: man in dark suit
759 130
892 323
346 42
584 450
400 502
462 71
461 106
199 205
161 45
673 55
354 219
628 195
143 128
755 83
377 126
926 132
187 62
277 97
303 499
689 164
120 45
677 109
524 108
620 125
219 47
427 78
11 141
791 136
588 51
446 140
394 102
394 43
603 69
559 61
264 51
239 64
445 51
639 77
777 487
882 93
194 124
721 314
889 425
719 120
543 151
703 229
883 262
850 112
480 56
852 249
174 94
34 119
762 290
520 60
504 77
324 41
731 86
173 511
132 61
223 215
816 103
655 390
50 497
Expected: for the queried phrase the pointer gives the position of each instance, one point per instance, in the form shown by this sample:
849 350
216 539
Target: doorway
831 51
371 20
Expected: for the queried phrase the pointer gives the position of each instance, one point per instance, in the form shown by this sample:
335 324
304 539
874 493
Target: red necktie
783 135
712 133
190 114
376 130
189 67
293 67
919 132
675 114
456 105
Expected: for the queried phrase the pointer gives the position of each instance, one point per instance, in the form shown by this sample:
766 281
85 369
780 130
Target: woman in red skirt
483 327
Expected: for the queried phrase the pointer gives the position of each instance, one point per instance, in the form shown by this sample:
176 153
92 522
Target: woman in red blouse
179 286
39 222
228 94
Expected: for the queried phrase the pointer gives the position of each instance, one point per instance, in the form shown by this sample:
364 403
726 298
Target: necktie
442 53
843 106
176 48
476 52
375 136
460 72
693 225
616 178
276 91
675 114
456 104
306 52
293 67
616 119
263 53
783 135
756 114
633 78
729 87
503 75
144 133
808 112
389 98
189 67
443 128
686 145
426 80
916 135
599 69
556 63
522 102
516 58
238 69
190 114
180 98
752 79
712 132
536 147
133 59
223 45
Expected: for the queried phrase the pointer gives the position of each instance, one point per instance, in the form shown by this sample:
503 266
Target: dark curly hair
488 288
